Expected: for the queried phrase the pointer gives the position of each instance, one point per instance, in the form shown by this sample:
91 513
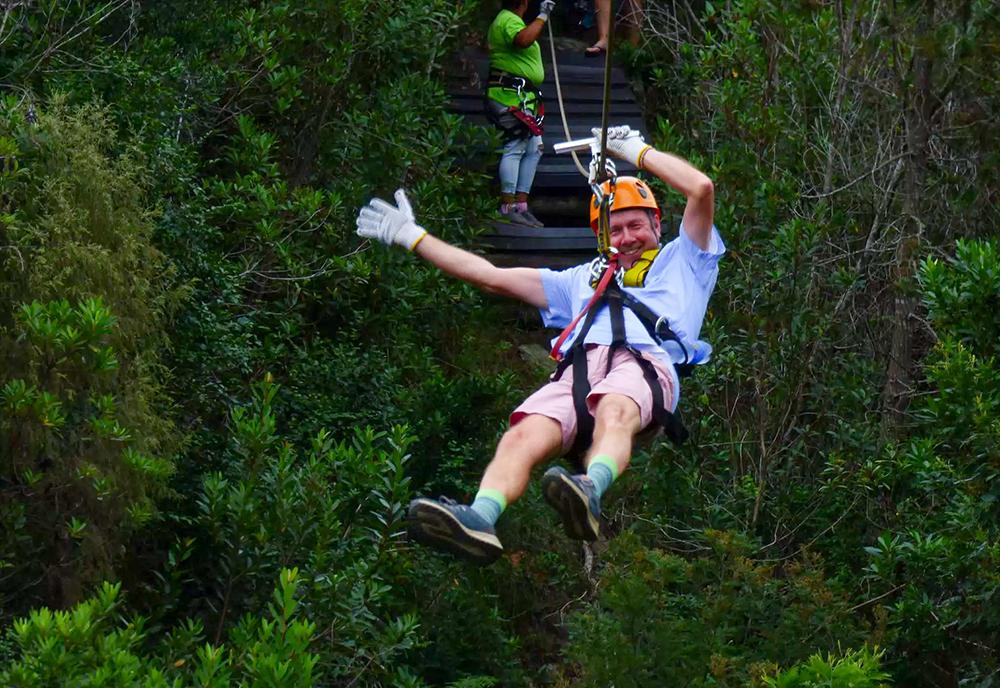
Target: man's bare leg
616 423
533 440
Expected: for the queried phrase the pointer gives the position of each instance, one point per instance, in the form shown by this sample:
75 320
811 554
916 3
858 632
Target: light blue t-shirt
677 286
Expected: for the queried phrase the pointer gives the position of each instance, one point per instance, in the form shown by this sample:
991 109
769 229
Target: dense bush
86 442
91 644
209 383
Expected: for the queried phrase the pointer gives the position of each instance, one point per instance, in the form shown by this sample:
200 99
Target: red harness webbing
606 278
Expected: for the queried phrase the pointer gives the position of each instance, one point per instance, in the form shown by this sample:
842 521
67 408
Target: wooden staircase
560 194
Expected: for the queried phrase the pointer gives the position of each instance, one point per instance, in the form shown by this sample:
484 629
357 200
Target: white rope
562 110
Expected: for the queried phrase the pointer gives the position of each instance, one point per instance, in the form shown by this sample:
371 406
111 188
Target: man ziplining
619 377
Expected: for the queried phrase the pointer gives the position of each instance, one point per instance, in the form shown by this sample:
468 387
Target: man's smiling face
633 231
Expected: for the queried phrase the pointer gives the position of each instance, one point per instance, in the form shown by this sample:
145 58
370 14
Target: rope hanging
604 216
562 110
605 199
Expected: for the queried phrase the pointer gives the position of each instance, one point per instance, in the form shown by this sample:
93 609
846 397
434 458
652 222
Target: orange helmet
630 192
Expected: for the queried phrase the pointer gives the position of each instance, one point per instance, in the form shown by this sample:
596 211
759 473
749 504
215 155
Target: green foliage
226 168
858 669
84 451
71 463
704 621
962 295
941 574
335 513
91 644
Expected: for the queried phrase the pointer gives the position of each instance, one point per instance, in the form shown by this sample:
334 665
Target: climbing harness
515 121
617 299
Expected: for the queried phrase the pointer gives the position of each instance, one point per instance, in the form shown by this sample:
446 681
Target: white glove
390 225
545 9
624 143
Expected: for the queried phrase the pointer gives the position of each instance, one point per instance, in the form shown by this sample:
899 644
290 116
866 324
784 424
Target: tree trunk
917 95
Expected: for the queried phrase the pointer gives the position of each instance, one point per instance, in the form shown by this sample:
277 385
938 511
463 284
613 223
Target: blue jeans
518 164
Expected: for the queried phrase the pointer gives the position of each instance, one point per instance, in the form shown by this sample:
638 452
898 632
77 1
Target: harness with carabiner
608 293
515 120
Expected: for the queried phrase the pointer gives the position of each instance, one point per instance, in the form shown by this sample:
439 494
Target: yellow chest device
635 276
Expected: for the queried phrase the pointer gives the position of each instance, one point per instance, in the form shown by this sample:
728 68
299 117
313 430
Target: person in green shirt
514 103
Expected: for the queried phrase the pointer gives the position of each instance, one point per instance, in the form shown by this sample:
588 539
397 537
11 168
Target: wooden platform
560 194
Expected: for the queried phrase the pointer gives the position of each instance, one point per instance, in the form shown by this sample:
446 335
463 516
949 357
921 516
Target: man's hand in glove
390 224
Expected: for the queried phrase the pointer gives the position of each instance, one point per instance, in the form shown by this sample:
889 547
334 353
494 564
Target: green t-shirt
504 55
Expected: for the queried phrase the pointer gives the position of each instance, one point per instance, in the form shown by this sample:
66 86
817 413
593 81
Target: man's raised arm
627 144
396 224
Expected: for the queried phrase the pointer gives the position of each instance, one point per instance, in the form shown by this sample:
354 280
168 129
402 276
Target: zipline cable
604 215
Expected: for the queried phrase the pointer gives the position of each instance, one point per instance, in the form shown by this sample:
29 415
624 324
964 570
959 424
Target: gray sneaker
574 497
456 528
532 220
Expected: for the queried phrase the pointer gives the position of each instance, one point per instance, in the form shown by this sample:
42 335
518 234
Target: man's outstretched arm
391 224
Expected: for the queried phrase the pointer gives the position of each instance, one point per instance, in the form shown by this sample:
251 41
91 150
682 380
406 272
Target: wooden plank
568 73
542 259
474 104
589 92
539 243
558 164
520 238
579 128
512 231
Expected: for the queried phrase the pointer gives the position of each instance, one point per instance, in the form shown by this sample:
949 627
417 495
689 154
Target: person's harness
516 121
609 293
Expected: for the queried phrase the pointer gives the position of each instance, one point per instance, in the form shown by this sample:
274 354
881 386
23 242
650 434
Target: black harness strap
659 330
577 357
616 309
670 421
616 299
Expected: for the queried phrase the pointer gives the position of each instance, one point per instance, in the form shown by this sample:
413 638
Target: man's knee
616 411
533 429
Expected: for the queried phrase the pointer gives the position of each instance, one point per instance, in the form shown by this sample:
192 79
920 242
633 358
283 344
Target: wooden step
472 104
521 239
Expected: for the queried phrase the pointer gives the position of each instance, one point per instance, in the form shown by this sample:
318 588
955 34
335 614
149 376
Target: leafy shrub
936 562
92 644
703 621
84 450
858 669
963 293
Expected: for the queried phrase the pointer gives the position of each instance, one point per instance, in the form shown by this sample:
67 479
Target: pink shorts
555 399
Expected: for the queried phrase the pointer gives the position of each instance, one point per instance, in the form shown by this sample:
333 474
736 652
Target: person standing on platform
514 103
